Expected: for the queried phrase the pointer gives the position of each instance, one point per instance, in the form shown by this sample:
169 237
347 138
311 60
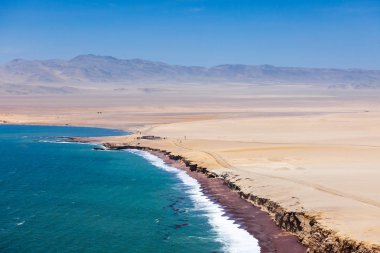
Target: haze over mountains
85 69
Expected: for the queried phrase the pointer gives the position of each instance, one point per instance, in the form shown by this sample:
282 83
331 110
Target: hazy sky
310 33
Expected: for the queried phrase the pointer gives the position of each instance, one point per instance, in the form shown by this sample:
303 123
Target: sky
303 33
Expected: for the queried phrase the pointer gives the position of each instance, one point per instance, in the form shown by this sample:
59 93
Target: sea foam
233 238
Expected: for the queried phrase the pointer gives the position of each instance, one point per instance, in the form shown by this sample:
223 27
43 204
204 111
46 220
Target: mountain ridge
94 68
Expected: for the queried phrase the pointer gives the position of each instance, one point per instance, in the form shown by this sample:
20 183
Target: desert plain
312 149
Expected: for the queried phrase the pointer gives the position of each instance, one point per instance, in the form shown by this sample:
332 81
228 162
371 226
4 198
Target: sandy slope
326 165
310 149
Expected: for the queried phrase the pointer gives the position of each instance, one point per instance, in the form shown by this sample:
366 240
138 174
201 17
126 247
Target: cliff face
317 238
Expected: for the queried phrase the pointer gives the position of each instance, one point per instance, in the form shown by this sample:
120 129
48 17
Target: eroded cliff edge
306 227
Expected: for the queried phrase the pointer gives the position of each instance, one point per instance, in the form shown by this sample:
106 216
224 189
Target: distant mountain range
92 68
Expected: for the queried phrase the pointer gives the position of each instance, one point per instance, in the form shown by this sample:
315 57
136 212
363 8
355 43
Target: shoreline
255 221
310 232
304 227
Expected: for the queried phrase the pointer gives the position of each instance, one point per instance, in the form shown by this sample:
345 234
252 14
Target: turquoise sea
67 197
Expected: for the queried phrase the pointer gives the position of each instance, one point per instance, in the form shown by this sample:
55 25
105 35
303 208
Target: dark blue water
57 197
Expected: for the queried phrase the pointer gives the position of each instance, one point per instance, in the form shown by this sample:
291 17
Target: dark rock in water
66 139
99 148
181 225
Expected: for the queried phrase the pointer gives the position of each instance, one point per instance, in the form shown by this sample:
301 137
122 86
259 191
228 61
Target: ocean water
66 197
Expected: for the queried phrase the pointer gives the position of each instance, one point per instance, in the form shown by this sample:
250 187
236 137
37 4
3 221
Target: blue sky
310 33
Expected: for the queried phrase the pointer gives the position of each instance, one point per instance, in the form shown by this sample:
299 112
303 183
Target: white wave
20 223
72 142
233 238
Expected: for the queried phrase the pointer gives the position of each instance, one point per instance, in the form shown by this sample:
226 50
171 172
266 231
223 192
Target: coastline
251 218
258 223
255 221
306 226
248 217
303 230
108 201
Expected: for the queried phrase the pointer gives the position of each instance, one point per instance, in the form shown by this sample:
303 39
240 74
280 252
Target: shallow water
57 197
